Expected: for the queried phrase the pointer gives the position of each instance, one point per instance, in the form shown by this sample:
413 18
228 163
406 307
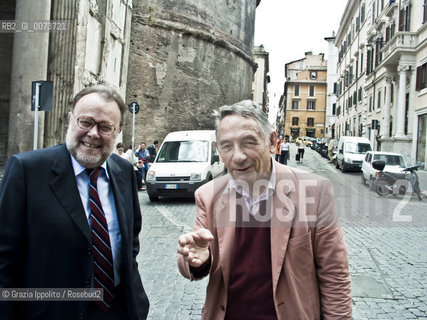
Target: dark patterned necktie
102 254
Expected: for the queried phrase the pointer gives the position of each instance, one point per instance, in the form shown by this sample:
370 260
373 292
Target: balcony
401 43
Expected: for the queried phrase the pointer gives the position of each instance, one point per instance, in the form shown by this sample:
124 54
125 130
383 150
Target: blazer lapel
65 188
225 219
281 223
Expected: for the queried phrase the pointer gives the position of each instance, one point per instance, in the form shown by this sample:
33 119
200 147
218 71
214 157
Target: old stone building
93 48
261 78
186 59
182 60
304 100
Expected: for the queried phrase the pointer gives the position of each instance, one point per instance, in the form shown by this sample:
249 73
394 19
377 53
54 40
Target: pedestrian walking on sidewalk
284 155
70 218
252 236
278 148
301 150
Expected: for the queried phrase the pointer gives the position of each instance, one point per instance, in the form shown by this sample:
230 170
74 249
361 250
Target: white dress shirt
108 205
252 203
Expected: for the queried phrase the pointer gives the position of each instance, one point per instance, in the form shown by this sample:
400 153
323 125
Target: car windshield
354 147
184 151
391 160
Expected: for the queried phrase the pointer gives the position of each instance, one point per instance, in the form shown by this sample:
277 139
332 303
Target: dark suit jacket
45 238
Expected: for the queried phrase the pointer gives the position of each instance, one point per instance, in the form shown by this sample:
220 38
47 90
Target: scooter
396 183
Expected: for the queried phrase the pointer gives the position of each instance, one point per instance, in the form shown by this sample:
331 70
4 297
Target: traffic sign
134 107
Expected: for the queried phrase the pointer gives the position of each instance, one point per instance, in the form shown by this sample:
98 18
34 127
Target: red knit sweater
250 292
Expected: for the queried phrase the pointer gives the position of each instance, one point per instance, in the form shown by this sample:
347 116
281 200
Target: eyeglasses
86 123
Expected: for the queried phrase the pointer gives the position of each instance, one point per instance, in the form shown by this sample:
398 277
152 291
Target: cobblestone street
388 260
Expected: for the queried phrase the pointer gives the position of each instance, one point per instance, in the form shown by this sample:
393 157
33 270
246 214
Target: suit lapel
116 178
65 188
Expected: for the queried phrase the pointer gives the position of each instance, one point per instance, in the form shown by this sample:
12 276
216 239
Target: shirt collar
78 168
271 186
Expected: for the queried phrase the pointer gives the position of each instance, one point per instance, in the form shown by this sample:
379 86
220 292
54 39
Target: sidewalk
422 178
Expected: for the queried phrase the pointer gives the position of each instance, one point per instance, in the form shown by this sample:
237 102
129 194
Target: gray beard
87 161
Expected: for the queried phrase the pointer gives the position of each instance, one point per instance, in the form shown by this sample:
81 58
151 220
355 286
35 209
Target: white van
351 152
185 161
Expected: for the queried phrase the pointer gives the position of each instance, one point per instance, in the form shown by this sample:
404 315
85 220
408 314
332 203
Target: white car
185 161
395 163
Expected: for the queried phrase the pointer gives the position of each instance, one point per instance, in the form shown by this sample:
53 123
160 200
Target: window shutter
368 62
401 19
418 85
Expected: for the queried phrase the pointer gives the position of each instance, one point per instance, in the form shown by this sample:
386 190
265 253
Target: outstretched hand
194 246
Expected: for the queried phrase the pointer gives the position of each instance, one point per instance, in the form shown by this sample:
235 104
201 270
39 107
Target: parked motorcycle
396 183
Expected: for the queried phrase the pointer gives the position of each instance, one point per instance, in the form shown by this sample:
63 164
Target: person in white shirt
284 156
301 149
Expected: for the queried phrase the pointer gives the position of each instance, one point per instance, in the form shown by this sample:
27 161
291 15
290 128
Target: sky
288 29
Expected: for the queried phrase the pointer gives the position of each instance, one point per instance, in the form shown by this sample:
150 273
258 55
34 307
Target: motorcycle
396 183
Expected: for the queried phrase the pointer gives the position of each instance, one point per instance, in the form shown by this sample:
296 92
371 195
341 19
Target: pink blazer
309 258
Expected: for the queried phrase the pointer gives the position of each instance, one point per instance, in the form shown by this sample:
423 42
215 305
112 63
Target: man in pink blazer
266 234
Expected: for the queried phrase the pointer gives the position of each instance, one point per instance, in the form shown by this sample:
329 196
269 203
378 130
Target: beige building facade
382 62
304 100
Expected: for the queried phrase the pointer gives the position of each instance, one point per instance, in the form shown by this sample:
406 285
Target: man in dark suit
70 218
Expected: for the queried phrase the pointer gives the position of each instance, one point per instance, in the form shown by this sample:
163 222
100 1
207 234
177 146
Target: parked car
185 161
307 141
351 152
394 162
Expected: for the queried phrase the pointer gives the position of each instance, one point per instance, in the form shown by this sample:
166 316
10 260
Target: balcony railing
400 41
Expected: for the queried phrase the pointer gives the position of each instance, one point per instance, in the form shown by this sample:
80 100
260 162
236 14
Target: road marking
171 218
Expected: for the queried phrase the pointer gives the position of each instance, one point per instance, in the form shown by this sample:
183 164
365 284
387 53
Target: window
405 18
360 94
369 61
373 13
354 97
357 69
296 90
295 121
295 105
313 75
362 13
335 88
311 93
361 63
334 108
370 104
378 47
379 100
310 122
311 105
421 77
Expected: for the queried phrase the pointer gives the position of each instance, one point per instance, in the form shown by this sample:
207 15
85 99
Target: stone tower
186 59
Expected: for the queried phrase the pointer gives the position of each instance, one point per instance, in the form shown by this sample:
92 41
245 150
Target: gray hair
108 93
247 109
